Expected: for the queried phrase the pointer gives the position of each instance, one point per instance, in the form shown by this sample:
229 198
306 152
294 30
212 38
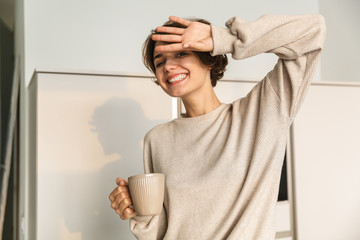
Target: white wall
326 161
108 35
89 131
340 58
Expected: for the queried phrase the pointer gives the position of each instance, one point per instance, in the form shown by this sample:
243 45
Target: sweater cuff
223 40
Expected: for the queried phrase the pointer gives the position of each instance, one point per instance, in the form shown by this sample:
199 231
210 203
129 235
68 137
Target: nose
170 64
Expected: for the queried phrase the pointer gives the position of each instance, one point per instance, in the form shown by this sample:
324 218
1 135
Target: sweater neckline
205 116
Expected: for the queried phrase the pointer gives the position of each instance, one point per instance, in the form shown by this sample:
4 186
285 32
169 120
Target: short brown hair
217 63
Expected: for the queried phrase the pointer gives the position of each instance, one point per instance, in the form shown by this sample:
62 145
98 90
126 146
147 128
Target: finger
118 199
194 46
117 191
166 38
125 203
129 213
200 46
169 48
172 30
182 21
187 45
121 181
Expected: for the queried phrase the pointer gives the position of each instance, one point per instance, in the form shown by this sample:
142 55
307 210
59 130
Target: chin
174 95
179 94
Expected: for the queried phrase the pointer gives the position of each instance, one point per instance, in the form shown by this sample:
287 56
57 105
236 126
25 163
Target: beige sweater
223 168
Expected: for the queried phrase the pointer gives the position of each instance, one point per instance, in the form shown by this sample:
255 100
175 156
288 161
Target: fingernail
122 183
186 45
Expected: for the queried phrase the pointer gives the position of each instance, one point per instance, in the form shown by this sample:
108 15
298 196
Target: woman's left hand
195 37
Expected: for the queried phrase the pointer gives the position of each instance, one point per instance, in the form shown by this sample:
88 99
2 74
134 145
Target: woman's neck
197 106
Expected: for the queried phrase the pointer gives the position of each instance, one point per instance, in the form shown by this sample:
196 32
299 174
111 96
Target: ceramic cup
147 193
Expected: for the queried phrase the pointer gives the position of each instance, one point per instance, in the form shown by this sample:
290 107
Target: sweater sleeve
149 227
296 40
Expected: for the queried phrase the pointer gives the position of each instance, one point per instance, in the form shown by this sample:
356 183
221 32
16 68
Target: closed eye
159 64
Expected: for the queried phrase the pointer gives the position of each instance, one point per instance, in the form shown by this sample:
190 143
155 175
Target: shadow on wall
120 125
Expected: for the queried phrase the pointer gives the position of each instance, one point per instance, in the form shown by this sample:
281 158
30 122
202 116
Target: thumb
121 182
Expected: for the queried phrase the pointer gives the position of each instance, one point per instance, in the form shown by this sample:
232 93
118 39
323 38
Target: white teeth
177 78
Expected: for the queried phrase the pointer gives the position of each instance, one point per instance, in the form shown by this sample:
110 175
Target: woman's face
181 74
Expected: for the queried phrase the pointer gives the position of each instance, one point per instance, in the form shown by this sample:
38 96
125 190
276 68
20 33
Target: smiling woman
223 161
183 71
217 63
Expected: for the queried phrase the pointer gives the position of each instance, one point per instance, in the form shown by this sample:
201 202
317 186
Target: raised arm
297 40
289 37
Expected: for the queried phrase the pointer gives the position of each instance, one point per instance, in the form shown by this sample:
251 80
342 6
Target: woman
223 161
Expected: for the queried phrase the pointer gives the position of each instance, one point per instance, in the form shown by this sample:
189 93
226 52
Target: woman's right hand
196 36
121 201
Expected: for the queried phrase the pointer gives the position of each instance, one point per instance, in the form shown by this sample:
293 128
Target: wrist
223 40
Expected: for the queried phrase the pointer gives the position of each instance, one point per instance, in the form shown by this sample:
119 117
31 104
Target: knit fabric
223 168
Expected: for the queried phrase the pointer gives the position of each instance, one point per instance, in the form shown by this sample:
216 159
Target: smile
177 78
